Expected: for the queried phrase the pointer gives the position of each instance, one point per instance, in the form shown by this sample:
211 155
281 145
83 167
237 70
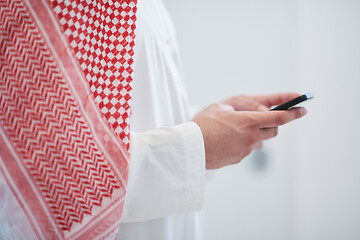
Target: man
166 178
64 124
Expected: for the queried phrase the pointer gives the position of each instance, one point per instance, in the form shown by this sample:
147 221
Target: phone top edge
293 102
309 95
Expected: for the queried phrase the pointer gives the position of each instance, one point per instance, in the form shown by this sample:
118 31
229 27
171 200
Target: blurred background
305 184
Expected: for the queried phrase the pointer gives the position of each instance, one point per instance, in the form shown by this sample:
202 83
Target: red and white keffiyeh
65 91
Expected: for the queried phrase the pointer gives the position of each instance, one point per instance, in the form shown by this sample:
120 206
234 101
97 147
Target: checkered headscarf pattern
69 181
101 35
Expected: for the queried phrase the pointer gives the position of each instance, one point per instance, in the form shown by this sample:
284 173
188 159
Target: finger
267 133
275 99
277 118
244 103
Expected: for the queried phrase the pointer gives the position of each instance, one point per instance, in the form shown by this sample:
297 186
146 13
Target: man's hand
236 126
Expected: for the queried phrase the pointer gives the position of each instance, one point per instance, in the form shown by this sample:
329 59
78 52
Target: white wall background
327 176
306 182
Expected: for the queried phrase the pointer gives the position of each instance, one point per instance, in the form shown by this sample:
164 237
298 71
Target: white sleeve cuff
166 173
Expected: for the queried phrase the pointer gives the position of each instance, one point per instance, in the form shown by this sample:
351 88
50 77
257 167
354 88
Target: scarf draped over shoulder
65 92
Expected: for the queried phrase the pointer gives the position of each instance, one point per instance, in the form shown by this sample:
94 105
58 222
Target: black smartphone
293 102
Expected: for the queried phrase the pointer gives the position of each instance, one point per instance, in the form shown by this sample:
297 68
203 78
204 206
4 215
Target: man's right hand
235 127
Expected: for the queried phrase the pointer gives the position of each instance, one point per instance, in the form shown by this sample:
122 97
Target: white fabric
10 211
166 173
167 165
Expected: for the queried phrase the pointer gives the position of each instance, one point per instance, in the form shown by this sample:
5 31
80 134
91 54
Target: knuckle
280 121
251 120
253 139
258 145
258 107
248 151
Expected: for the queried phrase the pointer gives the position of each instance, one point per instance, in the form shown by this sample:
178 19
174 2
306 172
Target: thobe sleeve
166 173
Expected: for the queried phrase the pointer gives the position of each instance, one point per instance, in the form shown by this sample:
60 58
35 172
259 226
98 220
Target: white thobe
167 167
167 161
